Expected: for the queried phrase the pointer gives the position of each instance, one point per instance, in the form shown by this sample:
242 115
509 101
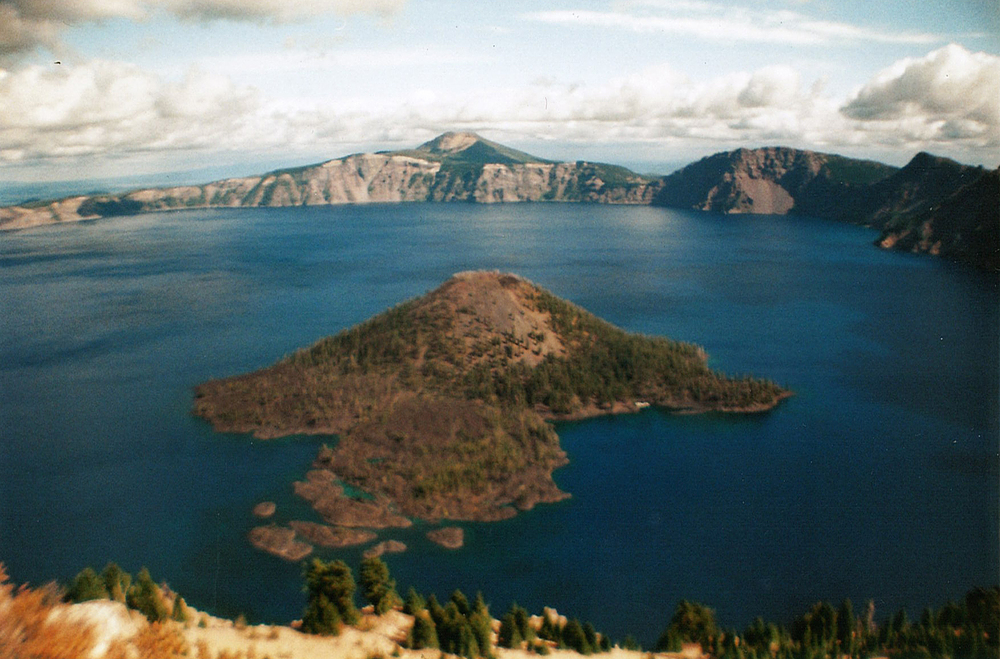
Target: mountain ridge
463 166
452 167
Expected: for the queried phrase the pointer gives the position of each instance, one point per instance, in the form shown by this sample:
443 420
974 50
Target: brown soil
449 537
320 489
265 509
331 536
385 547
279 541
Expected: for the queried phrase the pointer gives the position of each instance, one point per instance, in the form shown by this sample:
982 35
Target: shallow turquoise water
878 480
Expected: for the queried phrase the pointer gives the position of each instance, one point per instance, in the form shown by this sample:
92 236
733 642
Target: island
443 404
449 537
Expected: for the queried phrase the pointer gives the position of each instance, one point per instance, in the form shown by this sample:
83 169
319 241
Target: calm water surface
878 480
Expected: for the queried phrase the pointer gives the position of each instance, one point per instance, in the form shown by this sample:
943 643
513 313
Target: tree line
969 629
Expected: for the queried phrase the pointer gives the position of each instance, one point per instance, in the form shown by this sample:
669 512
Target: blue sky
97 88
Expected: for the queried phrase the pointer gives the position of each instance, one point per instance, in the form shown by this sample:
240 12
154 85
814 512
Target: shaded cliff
964 225
774 180
452 167
932 205
926 181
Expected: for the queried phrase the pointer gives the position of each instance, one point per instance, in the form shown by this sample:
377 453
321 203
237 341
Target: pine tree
462 602
144 596
86 586
330 588
423 634
523 621
574 638
479 605
691 623
590 634
116 581
846 626
481 625
436 611
550 629
377 587
180 612
414 602
321 616
509 636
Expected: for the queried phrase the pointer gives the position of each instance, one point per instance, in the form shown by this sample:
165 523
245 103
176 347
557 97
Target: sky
107 88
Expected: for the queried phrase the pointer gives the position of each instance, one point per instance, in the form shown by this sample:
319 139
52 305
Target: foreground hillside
441 404
144 620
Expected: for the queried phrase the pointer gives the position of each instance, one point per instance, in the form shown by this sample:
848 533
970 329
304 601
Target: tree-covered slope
963 226
441 403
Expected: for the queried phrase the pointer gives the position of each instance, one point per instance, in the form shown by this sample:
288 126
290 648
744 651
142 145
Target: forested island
442 404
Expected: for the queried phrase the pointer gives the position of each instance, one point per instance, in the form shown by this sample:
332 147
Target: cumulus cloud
716 22
945 102
107 108
950 94
27 24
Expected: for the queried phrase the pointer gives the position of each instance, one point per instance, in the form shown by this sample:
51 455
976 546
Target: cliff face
775 180
964 226
932 205
453 167
925 182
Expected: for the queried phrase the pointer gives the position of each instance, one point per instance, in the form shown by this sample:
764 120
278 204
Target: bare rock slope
452 167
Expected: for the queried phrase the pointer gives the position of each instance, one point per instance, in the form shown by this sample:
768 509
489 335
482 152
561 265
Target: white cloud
296 61
714 22
106 108
944 102
950 94
27 24
281 10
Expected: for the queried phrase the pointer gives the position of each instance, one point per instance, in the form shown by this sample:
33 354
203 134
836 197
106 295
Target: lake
879 479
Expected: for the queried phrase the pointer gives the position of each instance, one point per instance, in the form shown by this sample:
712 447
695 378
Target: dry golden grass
162 640
30 626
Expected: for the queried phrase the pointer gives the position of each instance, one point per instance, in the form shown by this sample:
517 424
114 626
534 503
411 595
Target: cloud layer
947 101
106 108
714 22
27 24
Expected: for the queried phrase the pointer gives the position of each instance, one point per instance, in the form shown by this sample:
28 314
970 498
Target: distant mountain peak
451 142
471 149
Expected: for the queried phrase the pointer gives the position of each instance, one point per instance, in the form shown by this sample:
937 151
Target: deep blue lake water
879 479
